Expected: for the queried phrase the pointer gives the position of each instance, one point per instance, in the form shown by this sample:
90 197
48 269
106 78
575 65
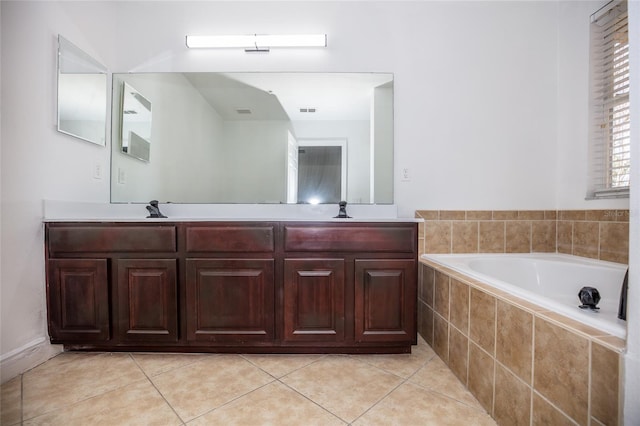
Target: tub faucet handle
589 296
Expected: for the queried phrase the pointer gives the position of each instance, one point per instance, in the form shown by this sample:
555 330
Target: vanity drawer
228 239
350 238
78 239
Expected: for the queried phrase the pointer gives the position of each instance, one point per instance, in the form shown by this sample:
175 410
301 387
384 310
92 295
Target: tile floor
218 389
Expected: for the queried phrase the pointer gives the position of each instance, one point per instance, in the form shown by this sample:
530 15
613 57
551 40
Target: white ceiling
335 96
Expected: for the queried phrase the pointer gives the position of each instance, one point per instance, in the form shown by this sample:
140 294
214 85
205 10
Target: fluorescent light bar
257 41
291 40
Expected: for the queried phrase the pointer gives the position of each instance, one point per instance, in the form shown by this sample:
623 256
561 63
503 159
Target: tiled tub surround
597 234
524 364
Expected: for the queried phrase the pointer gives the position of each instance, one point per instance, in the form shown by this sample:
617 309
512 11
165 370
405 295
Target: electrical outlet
406 177
97 171
122 176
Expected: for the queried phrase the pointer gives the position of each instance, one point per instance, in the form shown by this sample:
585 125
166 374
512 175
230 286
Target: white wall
38 162
475 108
256 161
487 102
573 104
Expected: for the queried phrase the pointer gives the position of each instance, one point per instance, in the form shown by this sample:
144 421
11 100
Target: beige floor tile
205 389
71 378
403 365
273 404
343 385
413 405
207 384
135 404
154 364
279 365
11 402
436 376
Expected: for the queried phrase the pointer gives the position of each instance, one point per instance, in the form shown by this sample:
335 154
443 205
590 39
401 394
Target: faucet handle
342 213
154 210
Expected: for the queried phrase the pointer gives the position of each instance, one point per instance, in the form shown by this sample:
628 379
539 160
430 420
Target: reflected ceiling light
256 42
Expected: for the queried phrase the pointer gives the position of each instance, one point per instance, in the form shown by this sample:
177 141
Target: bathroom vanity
233 286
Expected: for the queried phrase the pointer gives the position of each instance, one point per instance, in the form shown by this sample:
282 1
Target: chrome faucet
154 210
342 213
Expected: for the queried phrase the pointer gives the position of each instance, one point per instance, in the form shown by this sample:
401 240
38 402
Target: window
609 134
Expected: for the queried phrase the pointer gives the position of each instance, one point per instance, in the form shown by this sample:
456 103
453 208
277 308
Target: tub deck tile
571 324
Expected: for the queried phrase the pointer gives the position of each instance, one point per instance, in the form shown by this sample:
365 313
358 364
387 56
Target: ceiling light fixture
256 42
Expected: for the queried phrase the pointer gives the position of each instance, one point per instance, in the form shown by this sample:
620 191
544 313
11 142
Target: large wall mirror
82 94
258 138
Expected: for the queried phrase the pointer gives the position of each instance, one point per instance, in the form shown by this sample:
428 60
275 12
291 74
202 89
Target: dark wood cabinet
147 300
314 308
243 286
230 300
385 300
78 300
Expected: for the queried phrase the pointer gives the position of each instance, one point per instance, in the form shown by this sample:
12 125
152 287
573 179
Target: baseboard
26 357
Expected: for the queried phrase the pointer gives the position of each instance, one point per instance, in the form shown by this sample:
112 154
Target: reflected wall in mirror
82 94
136 124
235 137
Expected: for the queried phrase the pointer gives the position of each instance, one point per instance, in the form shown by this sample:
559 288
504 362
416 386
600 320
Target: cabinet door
385 300
78 300
147 300
314 300
230 300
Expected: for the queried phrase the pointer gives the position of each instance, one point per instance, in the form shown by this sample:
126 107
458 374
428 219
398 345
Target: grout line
155 387
589 380
504 236
233 400
451 236
495 358
533 366
562 413
380 400
312 401
320 356
85 398
468 336
21 398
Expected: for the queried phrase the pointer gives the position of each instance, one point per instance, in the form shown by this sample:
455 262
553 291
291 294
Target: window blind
610 156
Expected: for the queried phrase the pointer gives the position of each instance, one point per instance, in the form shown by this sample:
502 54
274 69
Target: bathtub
549 280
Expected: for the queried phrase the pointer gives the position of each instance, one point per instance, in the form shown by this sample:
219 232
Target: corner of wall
26 357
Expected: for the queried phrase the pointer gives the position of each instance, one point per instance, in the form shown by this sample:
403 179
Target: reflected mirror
82 94
238 138
136 124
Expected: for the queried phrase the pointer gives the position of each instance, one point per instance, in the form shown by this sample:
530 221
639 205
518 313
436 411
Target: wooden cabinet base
232 287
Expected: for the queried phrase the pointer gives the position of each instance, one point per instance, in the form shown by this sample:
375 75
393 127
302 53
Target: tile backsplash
597 234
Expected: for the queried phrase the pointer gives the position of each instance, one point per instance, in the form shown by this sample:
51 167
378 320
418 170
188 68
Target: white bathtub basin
549 280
